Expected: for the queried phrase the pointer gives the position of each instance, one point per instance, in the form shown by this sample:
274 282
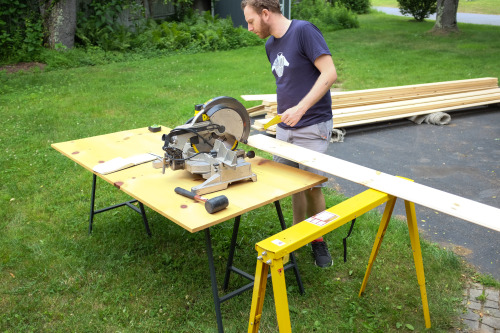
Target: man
303 67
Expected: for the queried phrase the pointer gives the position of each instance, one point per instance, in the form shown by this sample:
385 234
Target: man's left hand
292 116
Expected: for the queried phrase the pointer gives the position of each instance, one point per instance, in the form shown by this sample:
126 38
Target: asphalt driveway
461 158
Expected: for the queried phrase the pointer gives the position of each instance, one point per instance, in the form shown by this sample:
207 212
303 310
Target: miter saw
207 145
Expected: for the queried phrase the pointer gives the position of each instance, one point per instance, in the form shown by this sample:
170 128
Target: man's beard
265 30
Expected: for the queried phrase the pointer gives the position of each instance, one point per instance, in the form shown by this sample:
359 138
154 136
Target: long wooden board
486 94
438 88
427 107
466 209
351 108
388 94
359 100
339 124
263 97
387 114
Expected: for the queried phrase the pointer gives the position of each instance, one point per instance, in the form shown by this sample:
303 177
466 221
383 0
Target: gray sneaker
322 257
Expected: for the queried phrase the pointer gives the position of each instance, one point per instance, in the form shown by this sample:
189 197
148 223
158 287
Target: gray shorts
315 137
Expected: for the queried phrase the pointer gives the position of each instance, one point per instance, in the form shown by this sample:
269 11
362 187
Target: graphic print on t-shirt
279 64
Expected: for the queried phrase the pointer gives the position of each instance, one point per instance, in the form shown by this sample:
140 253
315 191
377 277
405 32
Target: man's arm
324 64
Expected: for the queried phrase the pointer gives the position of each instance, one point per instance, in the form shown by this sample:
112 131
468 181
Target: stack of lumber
351 108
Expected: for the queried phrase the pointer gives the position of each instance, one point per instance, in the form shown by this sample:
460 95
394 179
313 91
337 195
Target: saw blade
228 112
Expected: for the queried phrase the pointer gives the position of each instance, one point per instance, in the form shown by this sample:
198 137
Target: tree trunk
446 17
59 18
147 9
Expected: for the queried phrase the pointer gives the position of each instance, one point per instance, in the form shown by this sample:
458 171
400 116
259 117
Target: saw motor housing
206 145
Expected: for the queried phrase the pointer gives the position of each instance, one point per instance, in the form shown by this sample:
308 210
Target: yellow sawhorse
273 251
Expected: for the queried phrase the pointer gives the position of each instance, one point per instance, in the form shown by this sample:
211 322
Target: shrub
357 6
100 24
21 33
325 16
104 34
199 32
419 9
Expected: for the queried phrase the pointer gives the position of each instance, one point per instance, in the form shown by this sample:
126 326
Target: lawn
55 277
489 7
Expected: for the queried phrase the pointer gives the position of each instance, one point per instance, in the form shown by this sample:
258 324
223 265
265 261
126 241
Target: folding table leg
93 211
144 218
417 257
92 201
213 280
389 207
232 247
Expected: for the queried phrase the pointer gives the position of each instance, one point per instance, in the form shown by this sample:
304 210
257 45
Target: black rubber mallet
211 205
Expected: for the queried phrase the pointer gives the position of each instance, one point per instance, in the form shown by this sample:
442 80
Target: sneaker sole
316 264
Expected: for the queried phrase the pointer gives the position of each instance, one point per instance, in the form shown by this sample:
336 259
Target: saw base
214 184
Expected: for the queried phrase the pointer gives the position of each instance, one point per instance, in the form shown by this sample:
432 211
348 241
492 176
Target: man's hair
259 5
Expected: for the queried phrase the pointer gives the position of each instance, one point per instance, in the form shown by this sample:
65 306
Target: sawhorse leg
93 212
280 296
293 263
415 244
259 292
389 207
417 258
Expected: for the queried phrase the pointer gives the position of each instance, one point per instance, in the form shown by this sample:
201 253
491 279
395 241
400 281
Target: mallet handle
188 194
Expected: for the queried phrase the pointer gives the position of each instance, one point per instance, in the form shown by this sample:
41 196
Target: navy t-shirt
292 63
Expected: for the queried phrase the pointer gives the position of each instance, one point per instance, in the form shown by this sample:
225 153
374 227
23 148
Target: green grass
390 51
489 7
54 277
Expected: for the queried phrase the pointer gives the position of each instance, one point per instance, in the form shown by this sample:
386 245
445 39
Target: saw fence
351 108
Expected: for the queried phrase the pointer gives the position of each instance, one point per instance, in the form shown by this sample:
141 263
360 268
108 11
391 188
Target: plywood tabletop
156 190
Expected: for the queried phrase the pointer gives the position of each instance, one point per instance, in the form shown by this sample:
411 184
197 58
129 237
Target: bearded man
302 65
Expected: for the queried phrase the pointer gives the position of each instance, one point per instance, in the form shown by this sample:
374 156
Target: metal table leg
229 266
213 280
218 300
129 204
92 200
144 218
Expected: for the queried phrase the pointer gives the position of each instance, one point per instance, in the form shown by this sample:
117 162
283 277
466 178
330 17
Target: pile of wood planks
351 108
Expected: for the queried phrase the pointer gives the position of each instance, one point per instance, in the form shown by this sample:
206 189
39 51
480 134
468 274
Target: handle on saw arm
274 121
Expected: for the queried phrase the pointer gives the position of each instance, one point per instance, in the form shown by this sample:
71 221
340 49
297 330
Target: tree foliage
419 9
